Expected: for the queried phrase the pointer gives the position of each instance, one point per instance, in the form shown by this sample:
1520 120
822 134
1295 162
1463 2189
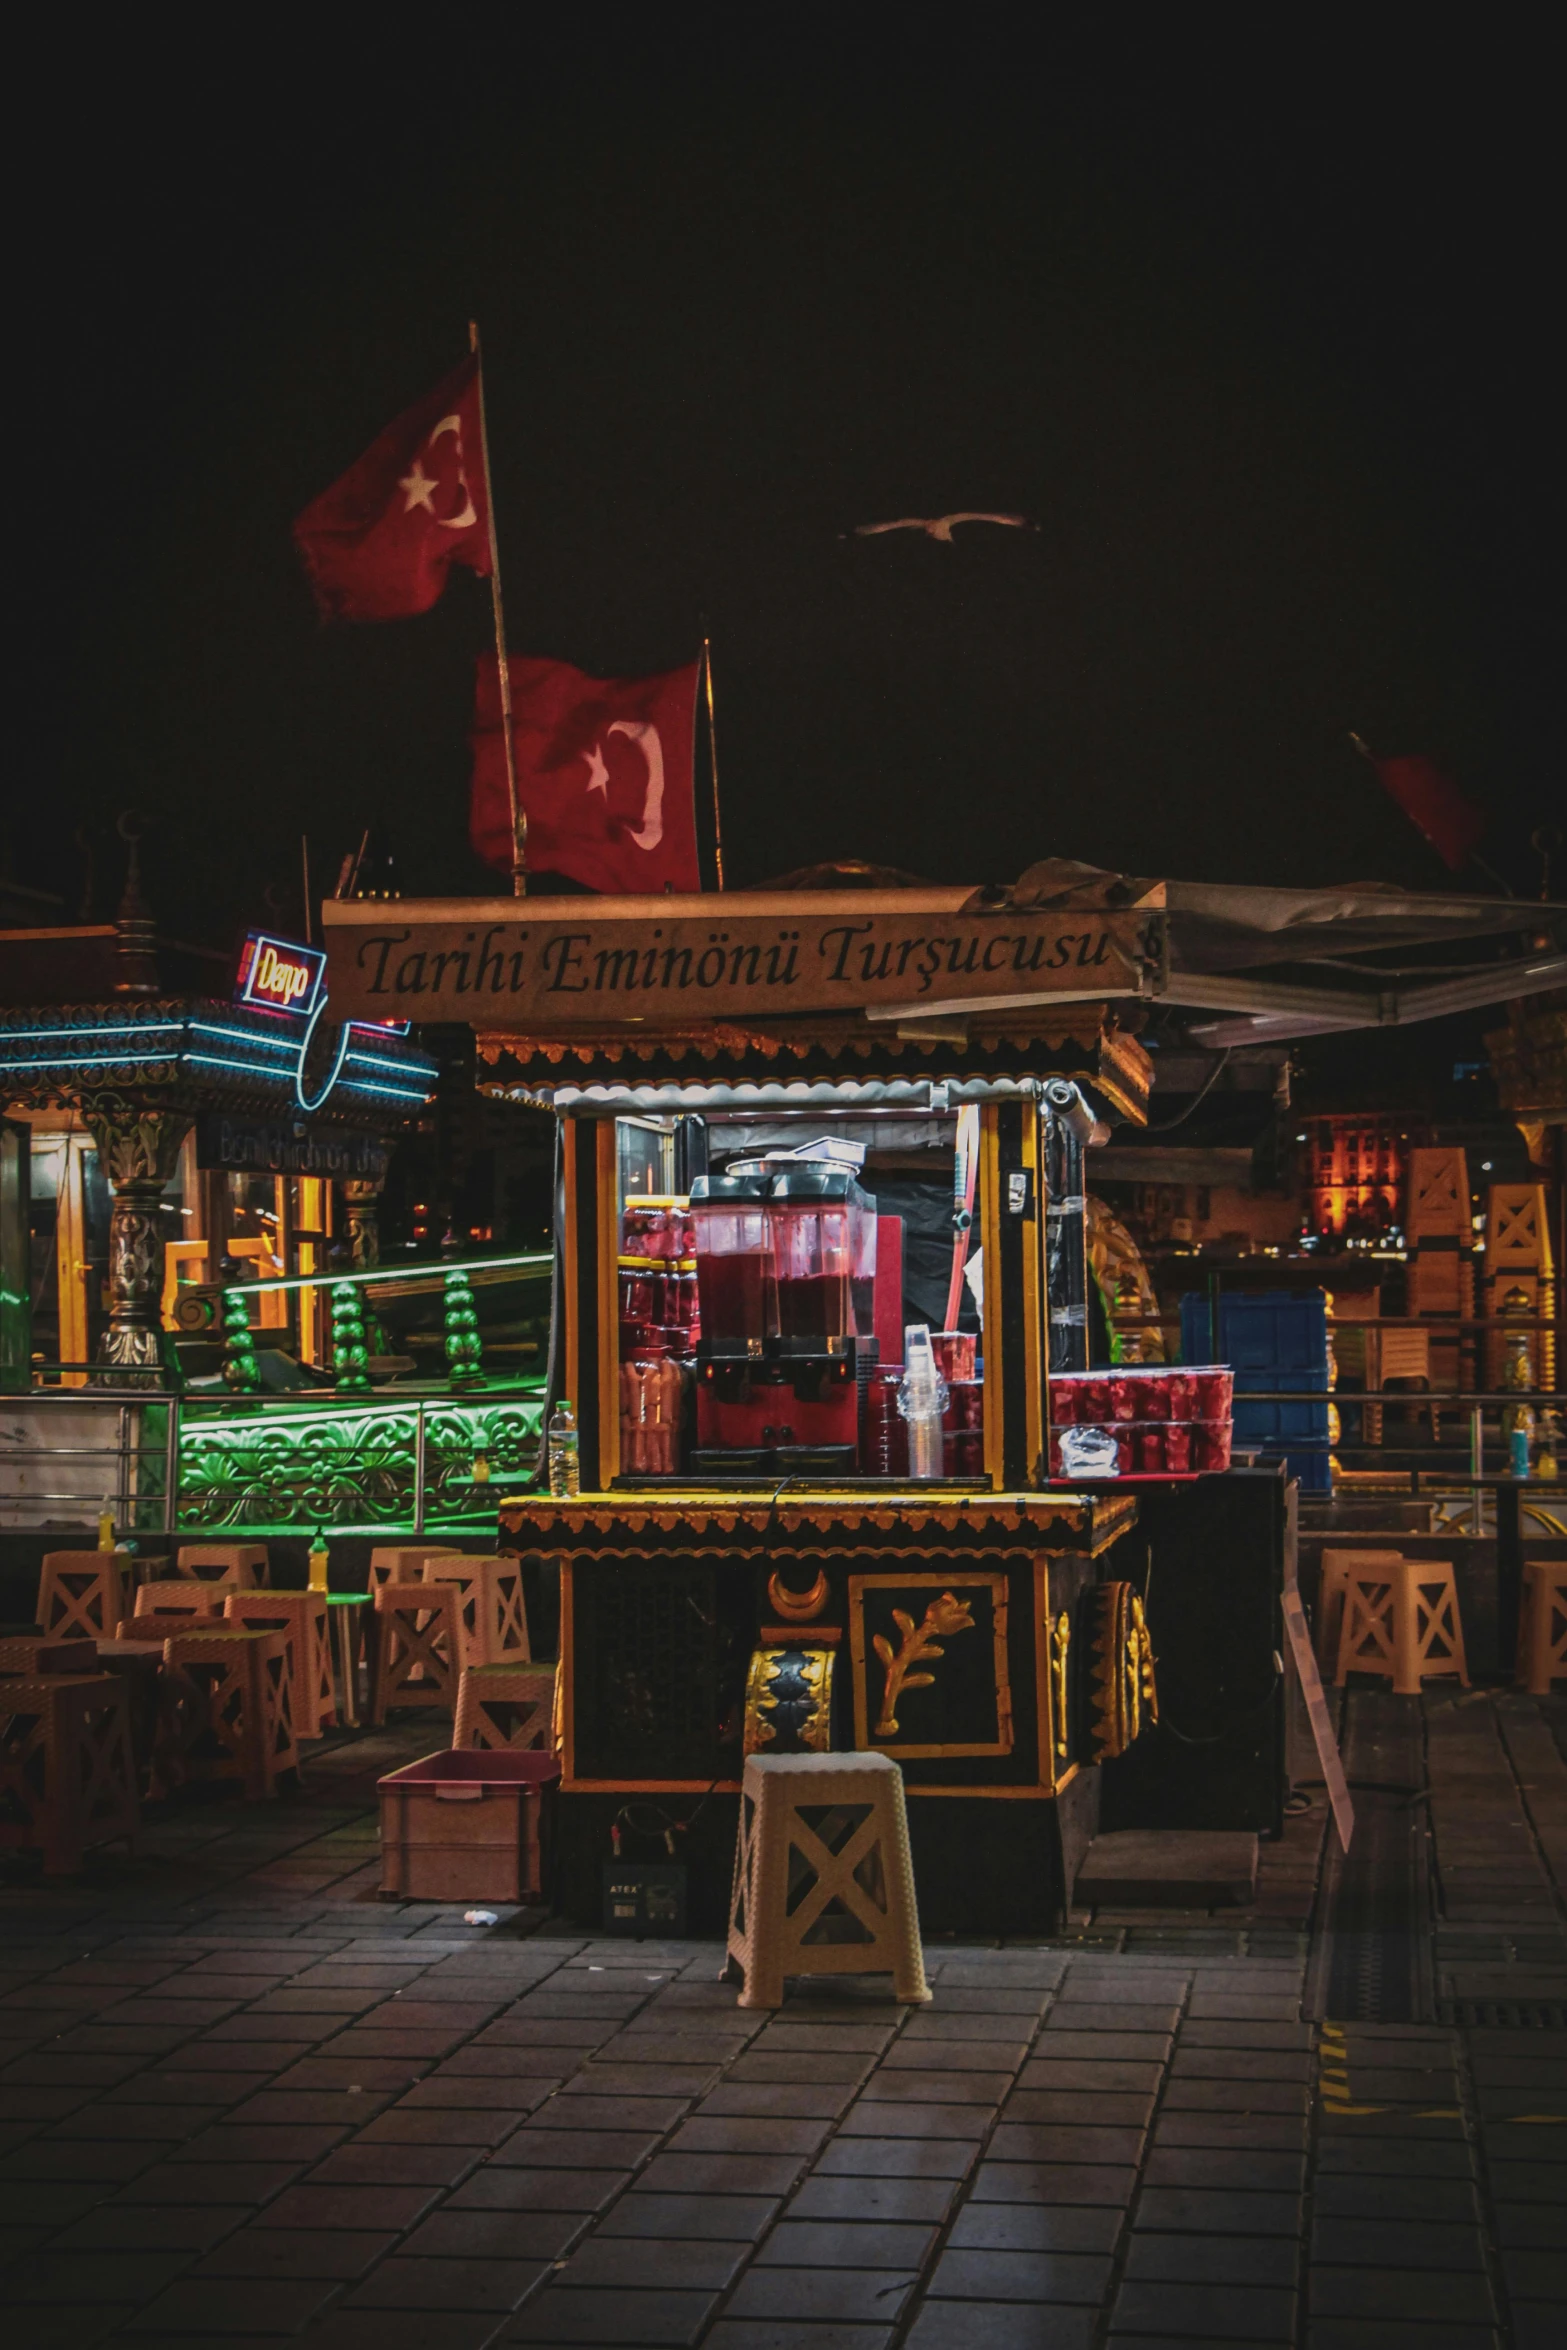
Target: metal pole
1477 1469
171 1470
418 1468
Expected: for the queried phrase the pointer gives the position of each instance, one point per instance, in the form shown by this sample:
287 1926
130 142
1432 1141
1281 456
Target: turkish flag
379 543
605 775
1434 804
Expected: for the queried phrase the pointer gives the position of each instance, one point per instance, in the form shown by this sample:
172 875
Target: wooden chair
232 1716
418 1652
502 1706
67 1775
492 1625
239 1566
1337 1567
1401 1621
1542 1626
403 1562
82 1594
823 1881
301 1616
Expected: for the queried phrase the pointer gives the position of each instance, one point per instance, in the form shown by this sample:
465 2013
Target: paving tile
1358 2196
1397 2157
971 2274
906 2158
762 2333
1529 2182
1537 2275
1024 2227
393 2166
1053 2142
103 2276
1240 2064
1185 2095
210 2305
871 2117
491 2189
915 2085
757 2065
651 2115
445 2125
1283 2133
1211 2259
1048 2072
742 2134
67 2326
1520 2225
1080 2106
851 2296
880 2199
218 2182
138 2227
1395 2243
495 2235
989 2325
1094 2016
835 2243
1055 2182
721 2174
1243 2168
610 2316
446 2284
1211 2312
108 2160
688 2264
575 2149
1448 2297
410 2329
643 2080
1064 2045
799 2100
737 2219
362 2209
341 2254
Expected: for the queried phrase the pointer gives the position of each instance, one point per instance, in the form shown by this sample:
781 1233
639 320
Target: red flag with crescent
605 775
379 543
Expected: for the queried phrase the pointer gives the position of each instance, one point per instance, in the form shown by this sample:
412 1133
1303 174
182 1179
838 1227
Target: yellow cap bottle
320 1562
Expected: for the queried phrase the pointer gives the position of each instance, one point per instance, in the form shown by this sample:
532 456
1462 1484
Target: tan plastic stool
175 1606
67 1773
823 1881
1542 1626
491 1623
1337 1567
1401 1620
417 1656
82 1594
506 1706
238 1566
231 1715
403 1562
301 1617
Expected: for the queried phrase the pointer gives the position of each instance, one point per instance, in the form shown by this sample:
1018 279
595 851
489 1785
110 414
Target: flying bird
942 526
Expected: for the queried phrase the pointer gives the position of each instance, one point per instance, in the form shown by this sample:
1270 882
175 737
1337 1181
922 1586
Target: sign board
280 1146
558 961
278 975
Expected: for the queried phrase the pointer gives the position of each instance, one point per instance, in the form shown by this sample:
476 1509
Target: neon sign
282 976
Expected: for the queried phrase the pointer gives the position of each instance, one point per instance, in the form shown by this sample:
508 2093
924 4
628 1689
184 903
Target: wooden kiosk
758 1574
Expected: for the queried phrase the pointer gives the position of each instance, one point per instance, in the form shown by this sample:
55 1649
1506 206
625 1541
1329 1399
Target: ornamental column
138 1150
362 1201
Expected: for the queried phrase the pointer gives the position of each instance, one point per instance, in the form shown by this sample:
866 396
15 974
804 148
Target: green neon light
382 1273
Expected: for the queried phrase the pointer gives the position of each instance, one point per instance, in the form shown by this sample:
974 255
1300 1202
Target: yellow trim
568 1260
1044 1684
566 1676
1035 1464
607 1201
990 1242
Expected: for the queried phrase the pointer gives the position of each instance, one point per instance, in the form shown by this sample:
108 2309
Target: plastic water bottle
565 1466
922 1398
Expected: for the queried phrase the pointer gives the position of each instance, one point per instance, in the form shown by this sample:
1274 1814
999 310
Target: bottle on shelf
320 1562
564 1463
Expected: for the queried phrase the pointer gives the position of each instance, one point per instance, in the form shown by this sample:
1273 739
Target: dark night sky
1261 344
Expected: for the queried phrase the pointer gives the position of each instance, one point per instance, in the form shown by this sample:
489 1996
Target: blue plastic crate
1271 1339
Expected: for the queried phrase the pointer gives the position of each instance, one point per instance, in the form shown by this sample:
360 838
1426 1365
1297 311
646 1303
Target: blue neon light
95 1028
87 1060
337 1065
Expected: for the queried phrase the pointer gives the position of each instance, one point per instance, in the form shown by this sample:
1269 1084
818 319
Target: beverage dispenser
736 1288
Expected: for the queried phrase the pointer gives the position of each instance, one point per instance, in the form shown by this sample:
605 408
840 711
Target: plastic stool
67 1774
1542 1626
491 1624
823 1881
505 1706
231 1707
82 1594
1337 1567
403 1562
301 1617
238 1566
1401 1620
418 1652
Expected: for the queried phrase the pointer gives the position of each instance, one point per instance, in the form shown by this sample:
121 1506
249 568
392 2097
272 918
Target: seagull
941 527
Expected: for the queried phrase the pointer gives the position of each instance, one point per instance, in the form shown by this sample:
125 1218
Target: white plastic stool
823 1881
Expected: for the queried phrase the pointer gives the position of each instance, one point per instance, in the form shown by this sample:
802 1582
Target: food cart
743 1086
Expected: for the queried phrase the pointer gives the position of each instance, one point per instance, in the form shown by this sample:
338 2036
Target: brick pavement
244 2101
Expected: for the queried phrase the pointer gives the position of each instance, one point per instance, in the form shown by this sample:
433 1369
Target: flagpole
712 753
519 822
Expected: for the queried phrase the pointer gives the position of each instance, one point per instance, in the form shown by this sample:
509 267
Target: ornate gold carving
796 1607
788 1700
945 1615
1140 1662
1060 1643
1121 1670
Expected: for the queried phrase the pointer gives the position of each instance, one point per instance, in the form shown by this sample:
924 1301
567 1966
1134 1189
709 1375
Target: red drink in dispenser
824 1252
736 1302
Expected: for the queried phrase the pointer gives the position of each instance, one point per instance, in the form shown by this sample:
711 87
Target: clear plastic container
1146 1391
824 1251
736 1300
1144 1448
